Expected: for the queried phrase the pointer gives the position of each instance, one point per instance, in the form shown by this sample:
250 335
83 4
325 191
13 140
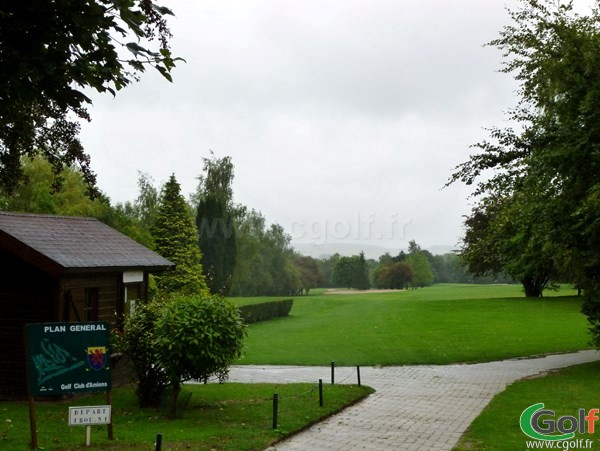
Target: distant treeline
260 259
414 269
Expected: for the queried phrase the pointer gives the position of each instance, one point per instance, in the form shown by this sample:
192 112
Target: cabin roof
70 244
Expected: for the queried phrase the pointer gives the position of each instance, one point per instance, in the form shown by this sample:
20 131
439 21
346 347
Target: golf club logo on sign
96 357
541 424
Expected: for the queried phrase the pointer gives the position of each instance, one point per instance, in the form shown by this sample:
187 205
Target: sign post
67 358
88 415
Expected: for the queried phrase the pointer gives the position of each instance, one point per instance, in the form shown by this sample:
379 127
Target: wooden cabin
57 268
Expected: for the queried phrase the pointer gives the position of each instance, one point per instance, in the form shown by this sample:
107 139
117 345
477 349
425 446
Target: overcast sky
344 119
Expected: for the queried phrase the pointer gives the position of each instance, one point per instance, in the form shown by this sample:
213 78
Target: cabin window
90 306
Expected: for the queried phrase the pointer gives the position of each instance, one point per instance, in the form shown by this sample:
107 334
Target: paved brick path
414 408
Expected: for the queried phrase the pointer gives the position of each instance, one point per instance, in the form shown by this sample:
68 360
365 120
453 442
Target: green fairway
435 325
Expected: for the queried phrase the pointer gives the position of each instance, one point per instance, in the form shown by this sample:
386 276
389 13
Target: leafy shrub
265 311
137 342
195 338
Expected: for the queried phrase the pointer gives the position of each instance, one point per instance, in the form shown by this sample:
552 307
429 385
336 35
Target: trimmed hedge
254 313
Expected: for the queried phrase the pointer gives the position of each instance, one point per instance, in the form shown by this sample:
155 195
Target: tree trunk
172 413
534 285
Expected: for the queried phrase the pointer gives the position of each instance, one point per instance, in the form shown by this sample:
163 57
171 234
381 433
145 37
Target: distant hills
370 250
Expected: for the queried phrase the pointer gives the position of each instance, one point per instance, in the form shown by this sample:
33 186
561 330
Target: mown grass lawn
230 416
436 325
565 392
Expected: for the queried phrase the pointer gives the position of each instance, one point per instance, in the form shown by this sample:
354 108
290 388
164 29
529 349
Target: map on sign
68 358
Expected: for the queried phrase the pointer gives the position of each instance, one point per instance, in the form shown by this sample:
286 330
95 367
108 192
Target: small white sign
133 276
88 415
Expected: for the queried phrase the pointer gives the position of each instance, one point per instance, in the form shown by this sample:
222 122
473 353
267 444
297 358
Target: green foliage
176 239
343 271
326 267
45 192
414 269
216 233
135 219
254 313
264 258
50 52
351 272
397 275
66 193
503 235
361 275
197 337
146 205
214 220
421 268
309 274
449 269
216 180
540 203
137 343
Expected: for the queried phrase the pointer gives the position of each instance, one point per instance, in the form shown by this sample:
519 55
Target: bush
137 342
265 311
195 338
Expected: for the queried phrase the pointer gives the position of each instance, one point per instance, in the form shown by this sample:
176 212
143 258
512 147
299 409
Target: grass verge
436 325
565 392
220 417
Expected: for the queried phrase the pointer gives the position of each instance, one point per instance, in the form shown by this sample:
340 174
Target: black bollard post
158 442
358 373
320 392
275 407
332 373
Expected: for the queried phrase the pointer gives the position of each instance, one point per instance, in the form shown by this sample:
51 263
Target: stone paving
414 407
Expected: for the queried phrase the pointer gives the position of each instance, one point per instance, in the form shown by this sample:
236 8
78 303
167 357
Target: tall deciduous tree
548 168
351 272
343 272
310 275
40 192
501 236
420 265
395 275
264 264
49 53
176 239
214 220
326 266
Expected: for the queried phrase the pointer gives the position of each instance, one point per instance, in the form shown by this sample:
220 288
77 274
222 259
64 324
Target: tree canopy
541 205
351 272
214 220
50 54
395 275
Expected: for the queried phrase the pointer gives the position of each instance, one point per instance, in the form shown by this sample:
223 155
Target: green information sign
67 358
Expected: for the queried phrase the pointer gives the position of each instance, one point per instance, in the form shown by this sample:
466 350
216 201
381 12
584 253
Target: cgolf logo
540 424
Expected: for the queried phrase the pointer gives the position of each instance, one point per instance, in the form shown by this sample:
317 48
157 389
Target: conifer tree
176 239
361 276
